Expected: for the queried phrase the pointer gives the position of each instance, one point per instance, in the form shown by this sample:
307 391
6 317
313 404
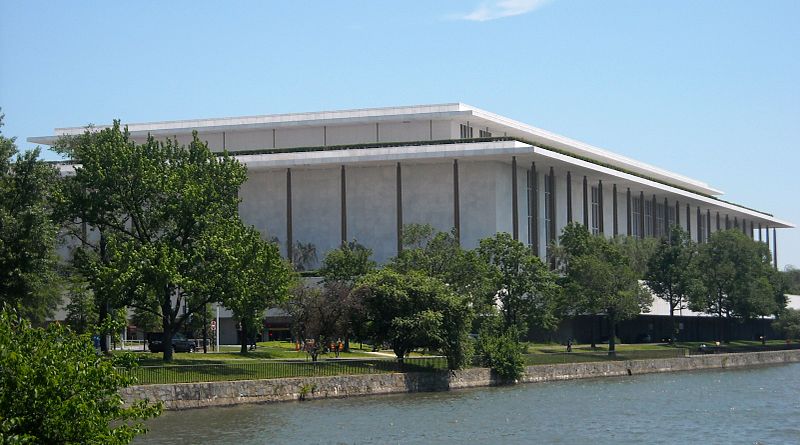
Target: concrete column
343 182
767 232
552 205
641 216
775 248
569 197
653 216
514 200
688 221
585 204
456 203
752 234
628 210
759 232
600 223
534 204
399 188
289 240
708 224
718 224
677 214
699 226
614 205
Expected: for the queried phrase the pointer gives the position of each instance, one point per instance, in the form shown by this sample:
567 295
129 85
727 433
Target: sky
704 88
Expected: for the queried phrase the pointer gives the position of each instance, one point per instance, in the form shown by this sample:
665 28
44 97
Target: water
747 406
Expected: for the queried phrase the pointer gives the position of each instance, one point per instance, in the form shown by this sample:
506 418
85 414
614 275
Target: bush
788 324
54 388
501 352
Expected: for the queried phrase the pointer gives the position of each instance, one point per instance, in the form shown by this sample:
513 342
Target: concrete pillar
399 189
653 216
759 232
688 221
552 204
641 216
600 224
514 200
534 230
343 182
614 205
569 197
585 203
775 248
456 203
628 210
289 240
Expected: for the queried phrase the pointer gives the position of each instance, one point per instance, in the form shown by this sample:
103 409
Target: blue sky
705 88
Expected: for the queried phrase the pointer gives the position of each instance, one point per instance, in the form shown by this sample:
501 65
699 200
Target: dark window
484 134
660 227
636 212
648 217
466 132
595 211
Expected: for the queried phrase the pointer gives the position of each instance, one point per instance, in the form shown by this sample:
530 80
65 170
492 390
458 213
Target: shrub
502 352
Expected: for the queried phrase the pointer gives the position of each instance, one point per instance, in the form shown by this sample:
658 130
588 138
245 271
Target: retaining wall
197 395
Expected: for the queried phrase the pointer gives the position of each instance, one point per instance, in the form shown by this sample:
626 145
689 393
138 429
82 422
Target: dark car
180 343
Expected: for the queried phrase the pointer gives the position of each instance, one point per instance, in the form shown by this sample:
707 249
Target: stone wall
197 395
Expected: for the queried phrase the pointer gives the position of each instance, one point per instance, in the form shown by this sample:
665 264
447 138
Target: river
747 406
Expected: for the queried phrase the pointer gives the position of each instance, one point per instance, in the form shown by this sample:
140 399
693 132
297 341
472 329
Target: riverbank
199 395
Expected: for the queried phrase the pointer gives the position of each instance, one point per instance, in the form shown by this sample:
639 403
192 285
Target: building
333 176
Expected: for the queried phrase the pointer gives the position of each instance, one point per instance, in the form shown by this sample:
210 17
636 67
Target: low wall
197 395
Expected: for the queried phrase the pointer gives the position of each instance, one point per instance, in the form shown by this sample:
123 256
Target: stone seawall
198 395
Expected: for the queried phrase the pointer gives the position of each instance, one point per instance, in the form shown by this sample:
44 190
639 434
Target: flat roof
448 111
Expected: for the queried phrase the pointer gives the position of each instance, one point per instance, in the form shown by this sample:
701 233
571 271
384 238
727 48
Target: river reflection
756 405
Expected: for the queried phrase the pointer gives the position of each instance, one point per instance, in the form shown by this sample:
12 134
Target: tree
321 314
638 251
788 323
247 274
54 388
792 275
500 349
28 191
347 264
81 309
524 290
672 274
601 277
304 256
158 207
412 311
738 280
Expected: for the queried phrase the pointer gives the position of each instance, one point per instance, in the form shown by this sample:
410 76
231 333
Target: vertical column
585 203
718 224
641 215
456 203
399 188
514 200
534 229
708 224
614 205
289 240
752 234
727 222
767 232
343 182
759 232
569 197
552 204
699 226
775 248
653 217
628 210
600 224
688 221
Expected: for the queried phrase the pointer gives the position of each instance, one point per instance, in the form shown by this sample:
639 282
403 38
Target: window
484 134
636 213
466 132
595 211
701 229
547 209
660 227
648 217
670 218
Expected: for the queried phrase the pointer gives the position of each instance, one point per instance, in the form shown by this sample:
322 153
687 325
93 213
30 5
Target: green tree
440 255
792 275
738 280
247 274
28 191
54 388
638 251
412 311
788 324
523 288
672 274
322 314
499 348
601 277
81 309
415 235
158 206
347 264
304 256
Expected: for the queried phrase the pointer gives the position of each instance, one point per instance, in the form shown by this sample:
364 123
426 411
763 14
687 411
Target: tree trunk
167 342
243 338
612 339
101 318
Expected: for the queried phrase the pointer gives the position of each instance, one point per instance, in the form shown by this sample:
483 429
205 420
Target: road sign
213 325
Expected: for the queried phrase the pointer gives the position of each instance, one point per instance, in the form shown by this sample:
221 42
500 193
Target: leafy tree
638 251
499 349
28 191
792 276
247 274
158 207
788 323
81 309
672 274
524 289
412 311
347 264
601 277
415 236
54 388
304 256
321 314
738 279
440 256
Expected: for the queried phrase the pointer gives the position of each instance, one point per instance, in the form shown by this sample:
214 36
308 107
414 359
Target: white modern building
333 176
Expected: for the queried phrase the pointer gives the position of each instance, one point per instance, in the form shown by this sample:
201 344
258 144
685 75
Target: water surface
755 405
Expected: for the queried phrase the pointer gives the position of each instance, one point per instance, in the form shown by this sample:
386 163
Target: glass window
595 211
547 215
648 217
660 227
636 213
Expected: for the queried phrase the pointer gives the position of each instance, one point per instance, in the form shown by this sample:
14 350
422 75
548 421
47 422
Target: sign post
216 328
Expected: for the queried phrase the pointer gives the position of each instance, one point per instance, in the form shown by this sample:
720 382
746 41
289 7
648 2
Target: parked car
155 342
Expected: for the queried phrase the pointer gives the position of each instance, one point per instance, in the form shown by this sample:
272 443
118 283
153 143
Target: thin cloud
501 8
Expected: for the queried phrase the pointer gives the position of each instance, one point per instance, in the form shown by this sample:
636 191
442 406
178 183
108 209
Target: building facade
328 177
